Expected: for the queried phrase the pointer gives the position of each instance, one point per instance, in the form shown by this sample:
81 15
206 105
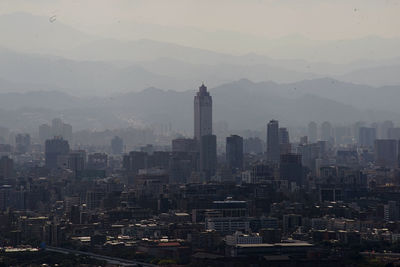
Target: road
111 260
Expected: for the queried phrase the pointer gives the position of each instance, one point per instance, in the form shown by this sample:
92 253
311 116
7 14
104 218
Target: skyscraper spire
202 113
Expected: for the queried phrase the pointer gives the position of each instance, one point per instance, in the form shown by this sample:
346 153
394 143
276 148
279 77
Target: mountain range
242 104
49 69
52 55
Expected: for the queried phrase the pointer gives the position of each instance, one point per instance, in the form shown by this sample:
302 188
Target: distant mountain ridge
242 104
51 53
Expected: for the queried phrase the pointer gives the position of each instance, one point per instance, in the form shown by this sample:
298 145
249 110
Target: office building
54 149
291 169
202 113
135 161
284 142
234 152
367 136
386 152
208 155
22 143
273 150
77 161
6 167
228 216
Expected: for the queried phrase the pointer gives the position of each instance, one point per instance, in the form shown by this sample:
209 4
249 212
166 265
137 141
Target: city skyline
199 133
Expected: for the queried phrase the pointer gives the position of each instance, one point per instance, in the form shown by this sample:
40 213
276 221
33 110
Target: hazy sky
316 19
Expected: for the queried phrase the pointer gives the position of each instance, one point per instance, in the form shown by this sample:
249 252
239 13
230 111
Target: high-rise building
45 132
291 168
206 141
283 136
234 152
117 145
273 150
309 153
367 136
77 161
55 148
22 143
59 128
208 155
181 165
312 132
184 159
391 211
326 131
284 142
6 167
135 161
386 153
384 128
202 113
393 133
342 135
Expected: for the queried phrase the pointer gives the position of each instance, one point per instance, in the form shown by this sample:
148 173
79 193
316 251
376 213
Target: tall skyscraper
206 141
202 113
234 152
273 150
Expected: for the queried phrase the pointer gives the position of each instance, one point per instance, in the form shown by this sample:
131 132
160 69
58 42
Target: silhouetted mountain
242 104
245 104
39 99
76 77
225 72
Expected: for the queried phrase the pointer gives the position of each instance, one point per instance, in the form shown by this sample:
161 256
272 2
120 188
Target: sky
315 19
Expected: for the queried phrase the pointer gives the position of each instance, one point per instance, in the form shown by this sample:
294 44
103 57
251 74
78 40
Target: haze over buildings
199 133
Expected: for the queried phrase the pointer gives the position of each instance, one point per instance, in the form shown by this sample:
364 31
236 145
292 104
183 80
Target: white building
240 238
